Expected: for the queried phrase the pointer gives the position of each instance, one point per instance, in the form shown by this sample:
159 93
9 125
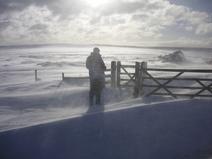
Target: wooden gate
190 86
129 76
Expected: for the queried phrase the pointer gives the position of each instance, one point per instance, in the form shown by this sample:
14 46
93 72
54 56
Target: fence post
113 74
36 75
137 79
63 76
142 72
118 73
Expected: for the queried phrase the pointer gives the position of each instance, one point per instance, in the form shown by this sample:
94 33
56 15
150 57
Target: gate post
113 74
137 79
63 76
36 75
142 72
118 73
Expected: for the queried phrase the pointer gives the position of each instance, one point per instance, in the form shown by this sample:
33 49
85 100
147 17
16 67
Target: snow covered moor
151 126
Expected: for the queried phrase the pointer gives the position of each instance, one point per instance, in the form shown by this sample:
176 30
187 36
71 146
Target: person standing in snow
96 67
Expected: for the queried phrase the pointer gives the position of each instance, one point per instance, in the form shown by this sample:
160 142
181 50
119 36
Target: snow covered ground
50 111
25 102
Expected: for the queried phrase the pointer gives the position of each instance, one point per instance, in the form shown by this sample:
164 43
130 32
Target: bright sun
96 3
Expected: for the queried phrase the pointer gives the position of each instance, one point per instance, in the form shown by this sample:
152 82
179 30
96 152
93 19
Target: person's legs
95 91
91 96
98 98
91 93
98 92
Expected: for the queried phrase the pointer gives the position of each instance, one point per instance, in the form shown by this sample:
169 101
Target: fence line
138 75
110 78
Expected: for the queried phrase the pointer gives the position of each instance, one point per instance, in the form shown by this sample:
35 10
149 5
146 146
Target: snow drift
26 104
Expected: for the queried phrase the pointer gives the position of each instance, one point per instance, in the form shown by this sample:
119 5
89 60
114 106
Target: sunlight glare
96 3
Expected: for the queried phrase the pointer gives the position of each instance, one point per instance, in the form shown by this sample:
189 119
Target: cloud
120 21
62 7
173 15
38 27
25 25
122 7
204 28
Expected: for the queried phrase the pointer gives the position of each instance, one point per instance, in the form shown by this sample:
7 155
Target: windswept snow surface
49 101
25 102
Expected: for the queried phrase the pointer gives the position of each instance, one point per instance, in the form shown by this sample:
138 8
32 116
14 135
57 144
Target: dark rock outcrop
175 57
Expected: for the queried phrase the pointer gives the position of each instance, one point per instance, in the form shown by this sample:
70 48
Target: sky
171 23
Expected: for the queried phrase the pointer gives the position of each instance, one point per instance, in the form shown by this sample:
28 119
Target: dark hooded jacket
96 67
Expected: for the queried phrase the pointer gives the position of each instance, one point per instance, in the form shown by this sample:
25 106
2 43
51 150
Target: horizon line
109 45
